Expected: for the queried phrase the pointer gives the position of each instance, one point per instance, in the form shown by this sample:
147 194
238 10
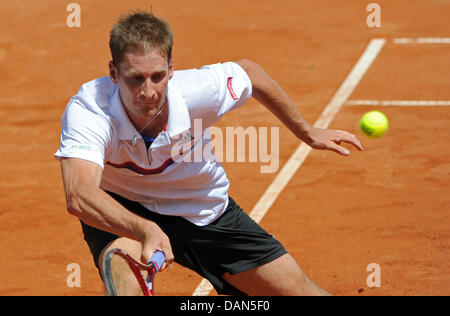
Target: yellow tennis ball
374 124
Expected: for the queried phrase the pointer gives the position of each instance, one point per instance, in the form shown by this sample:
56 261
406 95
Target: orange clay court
388 205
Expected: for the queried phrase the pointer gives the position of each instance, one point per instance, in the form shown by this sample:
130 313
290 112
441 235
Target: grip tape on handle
158 259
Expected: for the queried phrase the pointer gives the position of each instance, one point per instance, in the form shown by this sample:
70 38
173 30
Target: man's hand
328 139
96 208
153 239
273 97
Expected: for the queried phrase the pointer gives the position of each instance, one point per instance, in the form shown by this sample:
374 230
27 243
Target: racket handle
158 259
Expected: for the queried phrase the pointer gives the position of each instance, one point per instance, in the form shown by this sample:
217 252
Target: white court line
422 40
398 103
300 154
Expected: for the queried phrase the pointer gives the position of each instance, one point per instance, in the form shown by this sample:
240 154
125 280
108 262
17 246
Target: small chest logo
230 88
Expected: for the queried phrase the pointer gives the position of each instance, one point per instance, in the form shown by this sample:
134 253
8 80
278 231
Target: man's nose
148 92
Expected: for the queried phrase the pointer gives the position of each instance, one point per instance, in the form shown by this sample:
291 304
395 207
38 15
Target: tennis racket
124 276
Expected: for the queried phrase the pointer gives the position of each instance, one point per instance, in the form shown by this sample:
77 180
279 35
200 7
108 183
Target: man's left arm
269 93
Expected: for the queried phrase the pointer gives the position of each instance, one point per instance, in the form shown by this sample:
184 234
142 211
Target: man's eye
157 77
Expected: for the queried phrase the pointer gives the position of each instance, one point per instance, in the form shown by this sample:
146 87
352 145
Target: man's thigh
132 247
282 276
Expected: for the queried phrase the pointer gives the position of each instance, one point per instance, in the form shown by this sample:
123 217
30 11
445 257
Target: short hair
141 31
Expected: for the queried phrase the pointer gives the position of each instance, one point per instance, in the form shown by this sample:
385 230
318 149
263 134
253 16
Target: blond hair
140 31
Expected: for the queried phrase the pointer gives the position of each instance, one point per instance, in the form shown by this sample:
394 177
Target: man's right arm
85 199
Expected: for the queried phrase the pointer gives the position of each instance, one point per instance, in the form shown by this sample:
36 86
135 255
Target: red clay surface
387 205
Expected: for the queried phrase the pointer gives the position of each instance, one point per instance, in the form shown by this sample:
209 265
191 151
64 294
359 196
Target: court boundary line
397 103
422 40
298 157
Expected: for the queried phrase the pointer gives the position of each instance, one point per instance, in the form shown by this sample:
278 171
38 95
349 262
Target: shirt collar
177 122
126 129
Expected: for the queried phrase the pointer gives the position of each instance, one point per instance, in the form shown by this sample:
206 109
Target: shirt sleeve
84 134
213 90
233 86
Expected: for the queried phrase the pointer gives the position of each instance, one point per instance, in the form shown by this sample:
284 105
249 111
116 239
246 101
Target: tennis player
123 182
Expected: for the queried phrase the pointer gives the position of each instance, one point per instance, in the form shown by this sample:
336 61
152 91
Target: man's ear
171 68
113 73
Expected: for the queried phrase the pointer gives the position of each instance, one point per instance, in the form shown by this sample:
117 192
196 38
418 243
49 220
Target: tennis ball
374 124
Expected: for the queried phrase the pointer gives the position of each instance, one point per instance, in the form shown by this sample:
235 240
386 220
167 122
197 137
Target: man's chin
151 113
147 110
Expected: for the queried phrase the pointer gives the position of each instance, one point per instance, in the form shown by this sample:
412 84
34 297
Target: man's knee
132 247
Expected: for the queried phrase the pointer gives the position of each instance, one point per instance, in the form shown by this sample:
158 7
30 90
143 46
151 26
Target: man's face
142 80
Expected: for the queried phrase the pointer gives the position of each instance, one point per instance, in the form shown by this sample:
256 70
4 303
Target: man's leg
127 282
282 276
132 247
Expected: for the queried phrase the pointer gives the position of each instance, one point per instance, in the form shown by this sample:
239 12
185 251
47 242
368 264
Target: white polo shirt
95 127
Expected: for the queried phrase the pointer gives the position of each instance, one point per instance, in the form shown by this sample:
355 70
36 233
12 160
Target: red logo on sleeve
230 88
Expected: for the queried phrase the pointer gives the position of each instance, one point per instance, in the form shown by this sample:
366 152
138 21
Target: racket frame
146 284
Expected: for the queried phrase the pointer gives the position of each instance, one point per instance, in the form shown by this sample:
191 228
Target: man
122 181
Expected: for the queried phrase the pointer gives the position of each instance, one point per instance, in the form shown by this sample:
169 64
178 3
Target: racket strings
126 277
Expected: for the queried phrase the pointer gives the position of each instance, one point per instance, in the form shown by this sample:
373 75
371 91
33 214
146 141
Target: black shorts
233 243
